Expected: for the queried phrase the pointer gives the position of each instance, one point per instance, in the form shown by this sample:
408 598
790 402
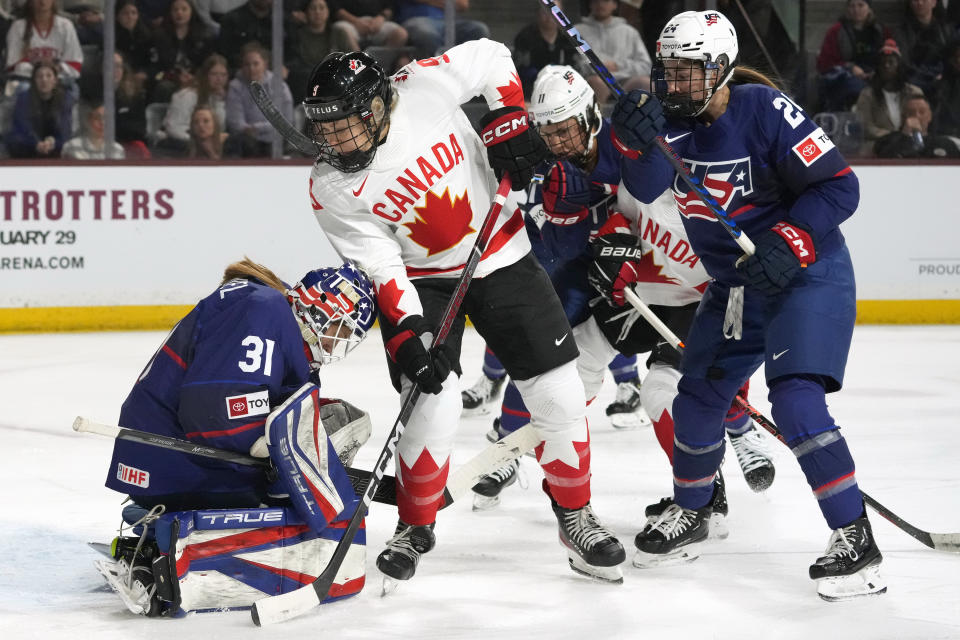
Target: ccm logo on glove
504 128
799 242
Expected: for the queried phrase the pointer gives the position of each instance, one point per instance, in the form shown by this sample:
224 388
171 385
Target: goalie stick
462 480
938 541
289 605
675 161
287 131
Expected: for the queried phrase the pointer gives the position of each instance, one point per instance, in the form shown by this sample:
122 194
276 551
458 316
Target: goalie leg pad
307 464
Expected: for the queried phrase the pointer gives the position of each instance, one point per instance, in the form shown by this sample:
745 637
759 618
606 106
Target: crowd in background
182 67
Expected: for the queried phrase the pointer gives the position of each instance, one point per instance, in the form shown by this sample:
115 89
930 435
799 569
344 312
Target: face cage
313 328
681 103
572 137
355 160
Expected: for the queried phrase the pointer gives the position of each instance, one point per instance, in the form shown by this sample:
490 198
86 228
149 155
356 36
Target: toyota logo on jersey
724 180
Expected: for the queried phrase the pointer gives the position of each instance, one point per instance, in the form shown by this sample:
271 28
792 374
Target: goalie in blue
240 372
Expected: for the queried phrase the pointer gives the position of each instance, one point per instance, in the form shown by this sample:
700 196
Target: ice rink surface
502 573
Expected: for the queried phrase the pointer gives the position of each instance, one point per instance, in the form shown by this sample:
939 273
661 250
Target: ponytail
247 268
748 75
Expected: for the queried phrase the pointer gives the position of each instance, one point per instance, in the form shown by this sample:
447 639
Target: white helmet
705 36
559 93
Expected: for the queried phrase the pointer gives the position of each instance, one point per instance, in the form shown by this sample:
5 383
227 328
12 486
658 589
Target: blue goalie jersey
764 161
238 353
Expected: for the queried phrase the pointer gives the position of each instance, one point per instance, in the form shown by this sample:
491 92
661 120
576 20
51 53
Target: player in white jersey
401 186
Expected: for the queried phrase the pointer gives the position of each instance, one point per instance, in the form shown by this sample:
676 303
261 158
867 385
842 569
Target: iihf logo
356 66
723 180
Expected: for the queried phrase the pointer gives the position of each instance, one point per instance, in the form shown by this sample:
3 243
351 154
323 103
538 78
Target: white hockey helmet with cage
560 93
707 37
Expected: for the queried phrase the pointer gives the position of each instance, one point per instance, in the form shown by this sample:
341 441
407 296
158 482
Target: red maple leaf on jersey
511 95
388 301
441 223
650 271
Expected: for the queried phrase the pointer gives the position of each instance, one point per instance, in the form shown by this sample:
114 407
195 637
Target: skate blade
388 586
683 555
634 420
612 575
485 503
866 582
718 527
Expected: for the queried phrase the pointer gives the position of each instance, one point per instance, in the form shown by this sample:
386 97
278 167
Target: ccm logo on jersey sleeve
132 475
250 404
813 146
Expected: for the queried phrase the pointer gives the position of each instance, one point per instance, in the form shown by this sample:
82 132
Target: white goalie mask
559 94
696 54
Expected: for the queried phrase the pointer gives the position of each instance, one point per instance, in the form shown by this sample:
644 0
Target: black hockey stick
692 181
289 605
938 541
287 131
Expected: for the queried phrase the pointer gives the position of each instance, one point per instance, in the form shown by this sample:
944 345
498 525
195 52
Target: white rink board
200 218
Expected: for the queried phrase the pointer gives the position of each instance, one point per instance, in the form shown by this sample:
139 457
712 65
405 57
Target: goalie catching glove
780 254
512 146
616 259
427 367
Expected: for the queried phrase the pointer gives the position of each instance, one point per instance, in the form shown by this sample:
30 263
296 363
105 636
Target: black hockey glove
512 146
781 253
637 120
427 368
616 260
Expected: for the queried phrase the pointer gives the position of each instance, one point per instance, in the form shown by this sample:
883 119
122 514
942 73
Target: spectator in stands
619 47
310 43
181 45
243 116
423 20
946 115
42 116
848 55
210 92
91 145
42 35
247 23
133 38
130 102
367 22
882 103
207 140
923 35
914 139
540 43
87 17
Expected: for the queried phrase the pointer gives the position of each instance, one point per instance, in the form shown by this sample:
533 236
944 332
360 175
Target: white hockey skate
479 399
625 411
135 585
754 457
850 567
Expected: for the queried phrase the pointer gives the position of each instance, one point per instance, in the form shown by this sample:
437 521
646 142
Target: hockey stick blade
296 138
939 541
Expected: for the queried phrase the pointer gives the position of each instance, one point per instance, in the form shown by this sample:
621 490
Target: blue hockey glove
637 121
567 194
781 253
512 145
427 368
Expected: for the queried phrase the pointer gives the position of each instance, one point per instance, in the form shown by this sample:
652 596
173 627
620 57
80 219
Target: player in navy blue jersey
790 306
239 372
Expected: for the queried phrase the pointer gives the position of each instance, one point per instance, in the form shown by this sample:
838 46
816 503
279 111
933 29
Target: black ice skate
478 398
754 458
625 411
592 550
399 560
487 491
850 567
673 537
718 504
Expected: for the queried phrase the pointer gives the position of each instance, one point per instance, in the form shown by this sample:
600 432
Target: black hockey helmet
353 91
